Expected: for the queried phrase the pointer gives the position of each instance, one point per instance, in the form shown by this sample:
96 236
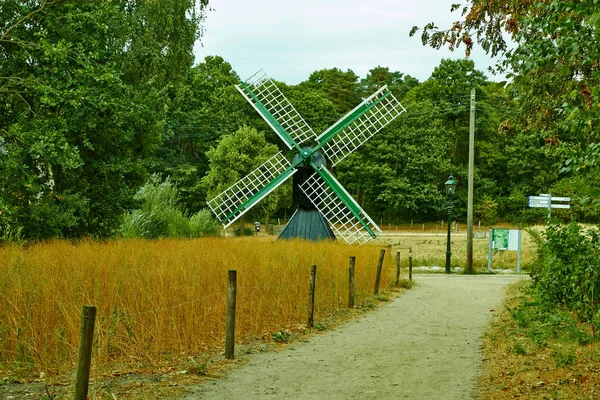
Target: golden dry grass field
162 300
161 305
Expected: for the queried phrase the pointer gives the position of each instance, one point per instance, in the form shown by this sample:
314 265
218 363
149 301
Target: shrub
203 224
240 230
567 270
160 216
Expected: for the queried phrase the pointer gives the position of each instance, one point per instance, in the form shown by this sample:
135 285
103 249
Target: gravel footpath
423 345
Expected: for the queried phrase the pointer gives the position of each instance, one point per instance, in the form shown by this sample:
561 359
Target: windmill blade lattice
239 198
383 108
260 90
353 227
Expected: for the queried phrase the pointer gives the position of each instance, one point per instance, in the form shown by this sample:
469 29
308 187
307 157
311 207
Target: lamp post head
450 186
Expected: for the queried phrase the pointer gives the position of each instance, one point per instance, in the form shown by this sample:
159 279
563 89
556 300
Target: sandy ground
424 345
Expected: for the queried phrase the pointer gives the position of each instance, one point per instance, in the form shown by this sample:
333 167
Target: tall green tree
397 174
235 156
449 89
86 87
397 82
206 107
340 87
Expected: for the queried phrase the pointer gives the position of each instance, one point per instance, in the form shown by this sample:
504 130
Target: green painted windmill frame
337 142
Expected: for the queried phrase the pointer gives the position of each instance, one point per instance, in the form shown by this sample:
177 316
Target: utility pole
470 190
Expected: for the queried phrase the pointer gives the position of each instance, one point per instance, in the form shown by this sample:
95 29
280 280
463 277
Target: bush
203 224
240 230
160 216
567 270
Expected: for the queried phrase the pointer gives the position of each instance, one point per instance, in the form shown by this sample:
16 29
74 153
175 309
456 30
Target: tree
206 107
237 155
86 88
337 86
449 89
553 65
317 110
397 174
396 81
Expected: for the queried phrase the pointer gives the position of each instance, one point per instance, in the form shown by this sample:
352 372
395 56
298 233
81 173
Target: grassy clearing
428 248
532 354
160 302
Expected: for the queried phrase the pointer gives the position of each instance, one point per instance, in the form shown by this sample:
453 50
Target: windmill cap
316 157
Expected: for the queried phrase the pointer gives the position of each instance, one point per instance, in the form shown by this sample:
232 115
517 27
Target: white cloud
289 40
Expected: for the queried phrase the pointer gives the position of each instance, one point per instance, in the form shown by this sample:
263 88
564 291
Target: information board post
519 253
490 241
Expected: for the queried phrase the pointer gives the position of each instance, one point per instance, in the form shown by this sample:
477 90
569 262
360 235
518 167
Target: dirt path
423 345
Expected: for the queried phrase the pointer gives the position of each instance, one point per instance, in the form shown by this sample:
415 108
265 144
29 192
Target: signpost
545 200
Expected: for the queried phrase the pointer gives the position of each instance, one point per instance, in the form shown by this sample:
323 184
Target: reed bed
164 298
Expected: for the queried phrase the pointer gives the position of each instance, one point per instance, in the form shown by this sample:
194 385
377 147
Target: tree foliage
160 215
550 51
234 157
85 87
101 95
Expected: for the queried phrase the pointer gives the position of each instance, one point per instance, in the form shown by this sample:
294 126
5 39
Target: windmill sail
360 124
347 219
262 93
239 198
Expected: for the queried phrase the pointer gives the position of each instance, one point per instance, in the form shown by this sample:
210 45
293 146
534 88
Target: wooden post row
351 282
379 267
311 297
410 269
84 359
230 324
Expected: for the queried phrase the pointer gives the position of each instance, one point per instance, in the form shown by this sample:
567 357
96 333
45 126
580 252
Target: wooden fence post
410 269
351 282
230 325
311 297
379 267
84 359
397 268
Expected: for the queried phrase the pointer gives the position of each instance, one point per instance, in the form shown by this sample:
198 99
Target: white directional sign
561 199
544 199
538 205
541 201
536 201
561 206
545 205
538 198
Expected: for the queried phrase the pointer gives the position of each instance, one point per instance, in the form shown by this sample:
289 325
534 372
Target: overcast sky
291 39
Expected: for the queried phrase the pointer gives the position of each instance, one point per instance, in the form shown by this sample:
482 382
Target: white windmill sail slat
341 219
236 200
279 106
365 127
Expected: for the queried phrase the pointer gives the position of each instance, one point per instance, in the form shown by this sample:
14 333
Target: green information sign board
500 239
504 239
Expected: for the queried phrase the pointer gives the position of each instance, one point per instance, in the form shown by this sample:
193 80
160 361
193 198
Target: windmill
318 186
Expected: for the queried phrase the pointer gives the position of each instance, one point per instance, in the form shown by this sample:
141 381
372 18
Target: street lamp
450 189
